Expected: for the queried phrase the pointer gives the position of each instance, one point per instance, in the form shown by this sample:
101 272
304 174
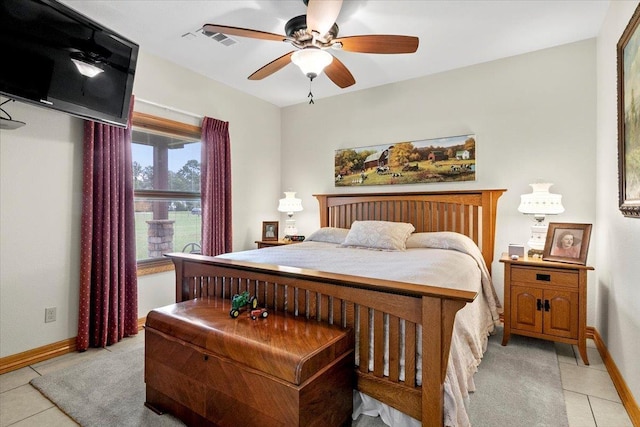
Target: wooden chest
209 369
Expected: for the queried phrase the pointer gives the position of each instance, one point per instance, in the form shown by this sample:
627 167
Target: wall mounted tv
44 45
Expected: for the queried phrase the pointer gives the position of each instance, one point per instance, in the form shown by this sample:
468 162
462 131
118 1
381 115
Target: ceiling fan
312 35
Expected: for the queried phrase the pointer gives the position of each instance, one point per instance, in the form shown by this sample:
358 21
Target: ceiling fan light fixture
311 61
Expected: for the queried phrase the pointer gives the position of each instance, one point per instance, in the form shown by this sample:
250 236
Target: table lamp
539 203
290 204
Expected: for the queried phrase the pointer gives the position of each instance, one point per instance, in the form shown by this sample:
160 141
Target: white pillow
381 235
446 240
329 235
441 240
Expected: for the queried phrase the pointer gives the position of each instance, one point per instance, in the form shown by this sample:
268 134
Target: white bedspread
441 259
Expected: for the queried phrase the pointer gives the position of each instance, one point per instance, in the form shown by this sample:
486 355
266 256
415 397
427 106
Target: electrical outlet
49 314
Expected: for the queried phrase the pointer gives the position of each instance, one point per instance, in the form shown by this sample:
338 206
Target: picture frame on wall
567 242
269 231
425 161
628 55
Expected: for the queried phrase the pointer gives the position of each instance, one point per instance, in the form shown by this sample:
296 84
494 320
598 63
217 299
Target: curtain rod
166 107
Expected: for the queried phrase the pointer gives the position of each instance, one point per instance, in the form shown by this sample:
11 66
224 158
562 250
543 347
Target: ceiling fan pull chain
310 96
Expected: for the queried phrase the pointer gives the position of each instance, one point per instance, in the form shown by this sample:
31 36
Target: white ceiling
452 34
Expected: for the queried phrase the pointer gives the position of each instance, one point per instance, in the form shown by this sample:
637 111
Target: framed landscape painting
628 54
448 159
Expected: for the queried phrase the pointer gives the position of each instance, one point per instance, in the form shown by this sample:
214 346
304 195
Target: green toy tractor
241 300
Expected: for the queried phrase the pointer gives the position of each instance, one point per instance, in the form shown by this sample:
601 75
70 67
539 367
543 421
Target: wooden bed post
324 210
438 316
432 387
489 203
178 263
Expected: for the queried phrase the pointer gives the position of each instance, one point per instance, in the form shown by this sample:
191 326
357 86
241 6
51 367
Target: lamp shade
541 201
290 203
311 61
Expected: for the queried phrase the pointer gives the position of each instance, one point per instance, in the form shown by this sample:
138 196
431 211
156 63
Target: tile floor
590 396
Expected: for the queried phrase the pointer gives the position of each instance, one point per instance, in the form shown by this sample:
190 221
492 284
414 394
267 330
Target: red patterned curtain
216 187
108 278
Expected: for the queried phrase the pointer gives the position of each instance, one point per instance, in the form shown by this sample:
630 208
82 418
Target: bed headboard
469 212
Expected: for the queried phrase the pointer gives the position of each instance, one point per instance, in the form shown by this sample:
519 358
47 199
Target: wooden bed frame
345 300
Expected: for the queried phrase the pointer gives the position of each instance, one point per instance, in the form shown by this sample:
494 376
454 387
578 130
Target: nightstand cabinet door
526 309
561 313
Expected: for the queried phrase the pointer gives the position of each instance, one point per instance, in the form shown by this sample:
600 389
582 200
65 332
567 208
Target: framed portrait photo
269 231
628 55
567 243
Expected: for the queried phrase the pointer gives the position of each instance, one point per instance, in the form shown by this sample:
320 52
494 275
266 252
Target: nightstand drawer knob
543 277
539 304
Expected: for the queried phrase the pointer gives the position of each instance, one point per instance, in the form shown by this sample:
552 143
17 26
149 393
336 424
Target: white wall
41 187
534 117
617 253
40 206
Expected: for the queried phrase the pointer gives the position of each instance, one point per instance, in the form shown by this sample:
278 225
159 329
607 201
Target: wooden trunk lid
292 349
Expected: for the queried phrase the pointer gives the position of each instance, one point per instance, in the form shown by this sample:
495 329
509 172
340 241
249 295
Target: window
166 180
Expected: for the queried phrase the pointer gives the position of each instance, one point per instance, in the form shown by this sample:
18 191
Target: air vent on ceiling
200 34
220 38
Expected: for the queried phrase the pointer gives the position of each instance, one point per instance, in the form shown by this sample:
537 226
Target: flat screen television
43 46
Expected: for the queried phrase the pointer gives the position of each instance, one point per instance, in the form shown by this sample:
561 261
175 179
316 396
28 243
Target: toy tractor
241 300
259 312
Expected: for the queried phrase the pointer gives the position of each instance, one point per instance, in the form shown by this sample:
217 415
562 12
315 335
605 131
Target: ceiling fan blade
322 14
272 67
339 74
242 32
379 43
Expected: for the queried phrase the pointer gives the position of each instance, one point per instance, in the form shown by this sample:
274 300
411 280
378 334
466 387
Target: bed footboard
388 317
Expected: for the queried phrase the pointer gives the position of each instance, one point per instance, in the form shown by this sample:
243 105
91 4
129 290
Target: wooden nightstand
267 243
547 300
